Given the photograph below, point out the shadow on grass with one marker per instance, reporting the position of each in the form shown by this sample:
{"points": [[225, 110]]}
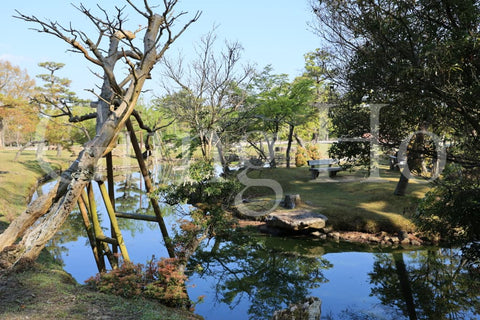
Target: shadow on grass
{"points": [[3, 224], [40, 167], [350, 201]]}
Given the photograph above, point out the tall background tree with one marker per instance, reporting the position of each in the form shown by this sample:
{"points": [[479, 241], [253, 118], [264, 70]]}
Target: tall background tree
{"points": [[207, 94], [64, 112], [17, 120], [422, 59]]}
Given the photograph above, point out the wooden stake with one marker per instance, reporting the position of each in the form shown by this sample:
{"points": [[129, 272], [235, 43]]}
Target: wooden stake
{"points": [[111, 191], [91, 236], [98, 229], [149, 187], [113, 221]]}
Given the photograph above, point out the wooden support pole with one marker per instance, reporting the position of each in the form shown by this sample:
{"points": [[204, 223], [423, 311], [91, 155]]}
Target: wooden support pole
{"points": [[93, 210], [149, 187], [108, 240], [133, 216], [113, 221], [91, 236], [98, 229], [111, 191]]}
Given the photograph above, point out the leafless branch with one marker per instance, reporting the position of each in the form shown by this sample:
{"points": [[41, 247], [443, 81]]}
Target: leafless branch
{"points": [[55, 29], [143, 126]]}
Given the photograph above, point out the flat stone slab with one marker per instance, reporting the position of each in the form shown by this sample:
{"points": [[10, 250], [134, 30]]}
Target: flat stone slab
{"points": [[296, 220]]}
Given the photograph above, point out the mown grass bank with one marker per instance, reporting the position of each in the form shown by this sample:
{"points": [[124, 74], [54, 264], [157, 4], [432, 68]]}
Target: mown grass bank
{"points": [[350, 201], [48, 292], [18, 179]]}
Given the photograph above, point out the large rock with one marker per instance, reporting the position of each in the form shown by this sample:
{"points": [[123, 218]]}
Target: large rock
{"points": [[296, 220], [309, 309]]}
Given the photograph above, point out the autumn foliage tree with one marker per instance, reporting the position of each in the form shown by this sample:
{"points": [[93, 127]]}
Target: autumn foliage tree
{"points": [[126, 63], [17, 120]]}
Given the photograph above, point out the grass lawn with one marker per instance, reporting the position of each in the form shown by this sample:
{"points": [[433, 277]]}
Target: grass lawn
{"points": [[19, 178], [48, 292], [350, 201]]}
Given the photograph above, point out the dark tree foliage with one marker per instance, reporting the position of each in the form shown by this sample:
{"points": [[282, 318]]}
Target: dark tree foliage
{"points": [[422, 59], [452, 208]]}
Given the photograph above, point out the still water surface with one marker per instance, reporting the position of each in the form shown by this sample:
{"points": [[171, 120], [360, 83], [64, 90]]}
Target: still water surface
{"points": [[249, 276]]}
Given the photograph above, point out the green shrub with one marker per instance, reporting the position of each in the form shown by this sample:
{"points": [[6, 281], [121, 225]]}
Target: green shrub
{"points": [[452, 208]]}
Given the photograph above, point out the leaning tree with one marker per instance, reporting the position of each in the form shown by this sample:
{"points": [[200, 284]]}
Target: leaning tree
{"points": [[114, 48]]}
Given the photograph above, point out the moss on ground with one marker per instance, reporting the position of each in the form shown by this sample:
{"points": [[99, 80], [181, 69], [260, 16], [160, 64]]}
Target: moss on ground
{"points": [[45, 291]]}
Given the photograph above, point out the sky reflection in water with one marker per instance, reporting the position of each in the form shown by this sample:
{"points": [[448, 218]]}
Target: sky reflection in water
{"points": [[249, 276]]}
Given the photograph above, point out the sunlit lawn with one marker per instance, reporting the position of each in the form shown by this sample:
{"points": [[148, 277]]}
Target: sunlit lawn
{"points": [[17, 178], [350, 201]]}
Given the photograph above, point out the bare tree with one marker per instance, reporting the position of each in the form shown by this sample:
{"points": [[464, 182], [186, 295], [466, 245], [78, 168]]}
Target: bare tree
{"points": [[115, 104], [209, 91]]}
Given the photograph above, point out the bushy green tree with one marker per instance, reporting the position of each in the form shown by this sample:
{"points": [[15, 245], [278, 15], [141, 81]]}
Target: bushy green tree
{"points": [[279, 104], [452, 208], [64, 110], [212, 200], [421, 58]]}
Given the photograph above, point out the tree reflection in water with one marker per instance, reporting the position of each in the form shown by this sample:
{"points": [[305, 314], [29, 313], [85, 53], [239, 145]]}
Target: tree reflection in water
{"points": [[270, 272], [433, 284]]}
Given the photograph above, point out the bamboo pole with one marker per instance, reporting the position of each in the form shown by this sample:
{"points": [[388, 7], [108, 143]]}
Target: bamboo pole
{"points": [[132, 216], [149, 187], [98, 229], [91, 236], [113, 221], [111, 192]]}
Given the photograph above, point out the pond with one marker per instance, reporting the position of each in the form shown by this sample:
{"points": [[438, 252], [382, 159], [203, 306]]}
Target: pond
{"points": [[250, 275]]}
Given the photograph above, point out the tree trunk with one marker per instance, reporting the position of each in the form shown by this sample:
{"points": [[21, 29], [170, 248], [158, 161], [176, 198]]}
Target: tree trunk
{"points": [[405, 287], [271, 147], [402, 185], [39, 152], [221, 156], [57, 205], [2, 135], [299, 140], [289, 146], [59, 150]]}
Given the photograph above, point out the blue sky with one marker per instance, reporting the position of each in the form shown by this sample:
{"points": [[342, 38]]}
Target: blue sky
{"points": [[271, 32]]}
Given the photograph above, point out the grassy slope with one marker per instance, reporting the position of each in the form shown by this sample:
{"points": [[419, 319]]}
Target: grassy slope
{"points": [[351, 202], [46, 291], [18, 178]]}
